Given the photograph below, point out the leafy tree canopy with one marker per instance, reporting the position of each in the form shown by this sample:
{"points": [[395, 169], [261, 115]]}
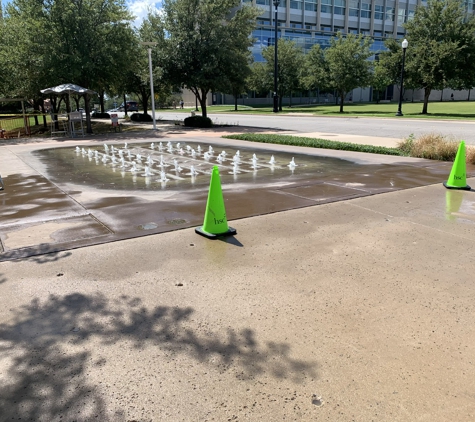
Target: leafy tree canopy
{"points": [[204, 42]]}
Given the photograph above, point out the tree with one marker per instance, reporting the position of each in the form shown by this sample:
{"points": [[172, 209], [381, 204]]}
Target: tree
{"points": [[381, 78], [65, 41], [260, 78], [204, 42], [290, 60], [441, 47], [344, 65]]}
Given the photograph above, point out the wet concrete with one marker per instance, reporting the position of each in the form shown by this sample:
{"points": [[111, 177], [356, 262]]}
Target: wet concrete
{"points": [[74, 200], [356, 310]]}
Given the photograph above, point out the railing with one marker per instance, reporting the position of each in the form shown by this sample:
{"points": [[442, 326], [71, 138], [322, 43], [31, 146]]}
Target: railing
{"points": [[14, 126], [18, 126]]}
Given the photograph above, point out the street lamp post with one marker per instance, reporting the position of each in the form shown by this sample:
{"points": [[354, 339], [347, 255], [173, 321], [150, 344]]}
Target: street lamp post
{"points": [[150, 45], [404, 46], [276, 96]]}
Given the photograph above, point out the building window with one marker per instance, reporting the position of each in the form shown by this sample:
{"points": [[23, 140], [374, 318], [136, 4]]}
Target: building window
{"points": [[378, 12], [339, 8], [366, 10], [390, 13], [354, 8], [265, 2], [401, 17], [296, 4], [326, 6], [326, 28], [295, 25], [311, 5]]}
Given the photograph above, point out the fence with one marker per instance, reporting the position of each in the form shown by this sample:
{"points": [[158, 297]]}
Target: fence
{"points": [[15, 127]]}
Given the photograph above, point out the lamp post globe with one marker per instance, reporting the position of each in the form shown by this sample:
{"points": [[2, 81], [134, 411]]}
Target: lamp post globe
{"points": [[404, 45], [276, 96]]}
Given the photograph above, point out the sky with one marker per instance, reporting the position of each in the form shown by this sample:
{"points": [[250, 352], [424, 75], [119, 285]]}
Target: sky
{"points": [[138, 8]]}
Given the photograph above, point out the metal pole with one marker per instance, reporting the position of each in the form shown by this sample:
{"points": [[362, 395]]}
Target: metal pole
{"points": [[276, 96], [399, 111], [151, 87]]}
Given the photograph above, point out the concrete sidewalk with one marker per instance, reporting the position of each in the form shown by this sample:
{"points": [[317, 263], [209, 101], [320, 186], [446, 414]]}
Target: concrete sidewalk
{"points": [[355, 310]]}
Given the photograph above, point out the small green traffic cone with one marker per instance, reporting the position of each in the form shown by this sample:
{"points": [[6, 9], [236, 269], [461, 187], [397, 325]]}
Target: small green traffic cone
{"points": [[458, 176], [215, 223]]}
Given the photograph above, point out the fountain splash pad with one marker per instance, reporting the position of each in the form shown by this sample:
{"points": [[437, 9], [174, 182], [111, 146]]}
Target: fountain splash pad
{"points": [[100, 193]]}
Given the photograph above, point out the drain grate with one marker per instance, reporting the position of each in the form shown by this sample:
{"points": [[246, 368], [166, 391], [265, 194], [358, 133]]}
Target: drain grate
{"points": [[148, 226], [176, 221]]}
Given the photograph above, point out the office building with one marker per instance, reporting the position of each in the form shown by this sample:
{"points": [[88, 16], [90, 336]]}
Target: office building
{"points": [[307, 22]]}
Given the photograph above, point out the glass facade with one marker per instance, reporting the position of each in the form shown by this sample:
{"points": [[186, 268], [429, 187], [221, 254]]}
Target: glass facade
{"points": [[309, 22]]}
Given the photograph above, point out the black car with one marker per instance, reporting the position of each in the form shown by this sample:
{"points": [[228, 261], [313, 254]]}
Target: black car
{"points": [[131, 106]]}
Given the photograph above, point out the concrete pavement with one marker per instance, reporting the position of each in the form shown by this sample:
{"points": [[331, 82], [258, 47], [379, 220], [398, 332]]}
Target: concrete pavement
{"points": [[356, 310]]}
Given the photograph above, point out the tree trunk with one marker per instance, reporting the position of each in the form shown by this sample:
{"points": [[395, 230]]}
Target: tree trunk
{"points": [[88, 114], [342, 99], [468, 98], [125, 105], [235, 103], [101, 101], [290, 99], [144, 100], [426, 100], [202, 100]]}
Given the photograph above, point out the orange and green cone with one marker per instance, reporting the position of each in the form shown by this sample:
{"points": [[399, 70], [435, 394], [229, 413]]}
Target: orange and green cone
{"points": [[215, 223], [458, 175]]}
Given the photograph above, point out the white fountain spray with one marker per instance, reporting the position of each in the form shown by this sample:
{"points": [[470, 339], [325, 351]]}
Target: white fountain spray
{"points": [[292, 164], [177, 167]]}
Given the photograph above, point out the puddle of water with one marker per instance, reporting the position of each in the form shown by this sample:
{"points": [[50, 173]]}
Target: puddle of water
{"points": [[87, 166]]}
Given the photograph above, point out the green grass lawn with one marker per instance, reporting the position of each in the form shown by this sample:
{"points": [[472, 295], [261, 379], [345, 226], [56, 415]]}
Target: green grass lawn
{"points": [[452, 110]]}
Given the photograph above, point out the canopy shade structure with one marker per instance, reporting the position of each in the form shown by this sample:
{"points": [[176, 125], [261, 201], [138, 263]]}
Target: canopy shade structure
{"points": [[67, 89]]}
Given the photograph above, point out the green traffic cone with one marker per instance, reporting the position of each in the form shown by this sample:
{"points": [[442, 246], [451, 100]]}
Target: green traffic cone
{"points": [[215, 223], [458, 175]]}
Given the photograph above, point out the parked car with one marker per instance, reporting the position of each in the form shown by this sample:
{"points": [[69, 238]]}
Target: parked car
{"points": [[131, 106]]}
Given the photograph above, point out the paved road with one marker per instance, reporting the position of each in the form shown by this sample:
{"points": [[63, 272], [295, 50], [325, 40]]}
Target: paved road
{"points": [[390, 128]]}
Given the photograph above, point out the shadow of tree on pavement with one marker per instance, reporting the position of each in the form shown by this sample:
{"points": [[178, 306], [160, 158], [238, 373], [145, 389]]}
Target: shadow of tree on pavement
{"points": [[47, 347]]}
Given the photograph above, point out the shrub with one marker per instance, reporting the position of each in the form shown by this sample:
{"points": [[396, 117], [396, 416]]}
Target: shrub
{"points": [[435, 147], [140, 117], [101, 116], [198, 121], [313, 142]]}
